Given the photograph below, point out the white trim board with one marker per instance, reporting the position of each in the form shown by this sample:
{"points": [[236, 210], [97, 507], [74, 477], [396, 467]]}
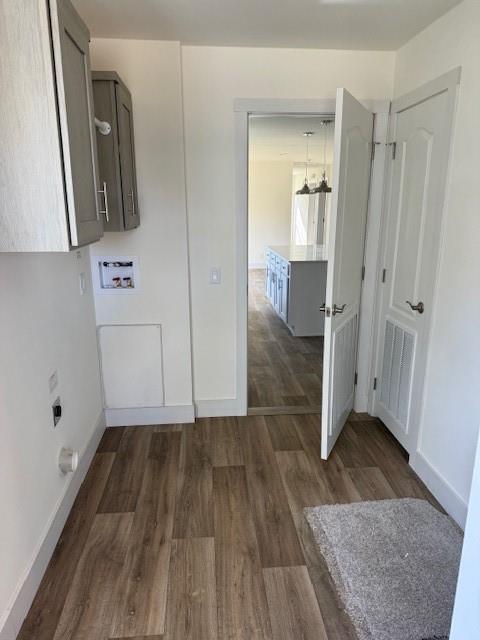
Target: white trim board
{"points": [[12, 619], [135, 416], [445, 82], [7, 632], [300, 106], [218, 408], [450, 500], [369, 299]]}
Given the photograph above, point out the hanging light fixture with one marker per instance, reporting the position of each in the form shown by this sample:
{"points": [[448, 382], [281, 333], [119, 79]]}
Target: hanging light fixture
{"points": [[305, 190], [323, 186]]}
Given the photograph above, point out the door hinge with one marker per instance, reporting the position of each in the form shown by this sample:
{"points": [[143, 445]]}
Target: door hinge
{"points": [[384, 275], [356, 378], [394, 149], [363, 272], [374, 384]]}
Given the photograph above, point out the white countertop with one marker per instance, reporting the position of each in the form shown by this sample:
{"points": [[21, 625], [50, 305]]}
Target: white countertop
{"points": [[301, 253]]}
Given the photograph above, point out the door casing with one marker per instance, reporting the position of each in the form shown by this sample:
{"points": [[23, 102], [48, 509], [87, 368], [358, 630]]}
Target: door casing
{"points": [[243, 108]]}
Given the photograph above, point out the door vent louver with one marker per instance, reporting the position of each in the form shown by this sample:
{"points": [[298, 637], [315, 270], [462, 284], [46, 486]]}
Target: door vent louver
{"points": [[397, 372]]}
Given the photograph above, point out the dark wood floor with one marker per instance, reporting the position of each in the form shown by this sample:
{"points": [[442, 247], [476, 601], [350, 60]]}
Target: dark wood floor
{"points": [[196, 532], [284, 373]]}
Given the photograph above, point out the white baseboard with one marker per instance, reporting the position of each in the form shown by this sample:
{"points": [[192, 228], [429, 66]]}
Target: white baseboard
{"points": [[12, 619], [149, 415], [218, 408], [450, 500], [7, 632]]}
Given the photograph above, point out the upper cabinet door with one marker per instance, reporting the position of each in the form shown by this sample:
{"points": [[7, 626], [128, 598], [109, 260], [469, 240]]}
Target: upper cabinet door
{"points": [[127, 157], [77, 123], [104, 96]]}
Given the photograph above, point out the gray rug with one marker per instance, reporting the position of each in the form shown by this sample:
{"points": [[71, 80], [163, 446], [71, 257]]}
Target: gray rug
{"points": [[394, 563]]}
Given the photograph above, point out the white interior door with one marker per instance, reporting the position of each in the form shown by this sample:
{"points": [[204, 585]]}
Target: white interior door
{"points": [[346, 234], [421, 126]]}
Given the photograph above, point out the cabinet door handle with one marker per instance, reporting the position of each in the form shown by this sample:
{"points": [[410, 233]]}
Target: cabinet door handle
{"points": [[132, 196], [105, 200]]}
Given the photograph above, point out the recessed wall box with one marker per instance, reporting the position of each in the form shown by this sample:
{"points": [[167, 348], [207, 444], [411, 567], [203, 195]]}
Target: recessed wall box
{"points": [[115, 274]]}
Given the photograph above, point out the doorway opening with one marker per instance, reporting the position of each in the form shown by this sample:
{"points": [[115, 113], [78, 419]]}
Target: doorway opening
{"points": [[290, 160]]}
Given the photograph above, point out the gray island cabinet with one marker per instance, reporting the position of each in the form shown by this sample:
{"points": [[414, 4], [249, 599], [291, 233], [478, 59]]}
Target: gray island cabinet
{"points": [[295, 284]]}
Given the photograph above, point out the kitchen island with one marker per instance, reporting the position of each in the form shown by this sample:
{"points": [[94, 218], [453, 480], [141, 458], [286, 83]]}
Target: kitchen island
{"points": [[295, 284]]}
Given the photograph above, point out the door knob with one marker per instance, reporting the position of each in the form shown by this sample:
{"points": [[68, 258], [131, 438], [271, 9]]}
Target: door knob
{"points": [[416, 307], [325, 309], [336, 309]]}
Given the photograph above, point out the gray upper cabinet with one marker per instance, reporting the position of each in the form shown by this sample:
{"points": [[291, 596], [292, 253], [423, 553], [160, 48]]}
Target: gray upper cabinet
{"points": [[116, 151], [49, 188]]}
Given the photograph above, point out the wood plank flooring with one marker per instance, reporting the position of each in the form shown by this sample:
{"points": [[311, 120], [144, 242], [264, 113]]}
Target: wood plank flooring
{"points": [[196, 532], [284, 373]]}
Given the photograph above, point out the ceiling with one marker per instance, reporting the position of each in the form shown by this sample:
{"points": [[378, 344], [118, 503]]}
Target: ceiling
{"points": [[280, 138], [321, 24]]}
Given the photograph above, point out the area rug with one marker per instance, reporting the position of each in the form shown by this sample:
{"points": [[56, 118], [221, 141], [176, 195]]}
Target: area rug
{"points": [[394, 563]]}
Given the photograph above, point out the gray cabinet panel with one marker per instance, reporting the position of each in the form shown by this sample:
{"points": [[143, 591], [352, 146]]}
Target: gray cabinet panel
{"points": [[48, 179], [32, 197], [72, 63], [283, 296], [127, 157], [108, 156], [113, 104]]}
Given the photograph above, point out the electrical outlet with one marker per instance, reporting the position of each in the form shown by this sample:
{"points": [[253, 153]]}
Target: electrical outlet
{"points": [[57, 411], [53, 382]]}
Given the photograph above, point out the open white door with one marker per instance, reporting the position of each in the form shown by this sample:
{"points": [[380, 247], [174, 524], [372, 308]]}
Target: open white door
{"points": [[351, 178]]}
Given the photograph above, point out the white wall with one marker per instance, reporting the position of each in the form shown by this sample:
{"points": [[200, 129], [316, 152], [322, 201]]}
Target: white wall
{"points": [[152, 72], [212, 78], [45, 325], [466, 612], [269, 207], [452, 400]]}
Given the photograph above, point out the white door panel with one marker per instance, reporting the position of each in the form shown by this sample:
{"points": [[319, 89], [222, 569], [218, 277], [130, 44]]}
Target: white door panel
{"points": [[413, 184], [414, 215], [344, 351], [346, 234]]}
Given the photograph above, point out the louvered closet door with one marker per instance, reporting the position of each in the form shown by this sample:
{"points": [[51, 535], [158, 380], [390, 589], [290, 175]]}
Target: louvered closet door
{"points": [[418, 175]]}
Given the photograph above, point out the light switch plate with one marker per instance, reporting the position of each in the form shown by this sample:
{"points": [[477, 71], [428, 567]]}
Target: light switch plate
{"points": [[215, 275], [82, 282]]}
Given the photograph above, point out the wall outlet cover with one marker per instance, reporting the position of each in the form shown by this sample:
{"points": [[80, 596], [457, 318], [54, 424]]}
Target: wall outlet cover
{"points": [[56, 411]]}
